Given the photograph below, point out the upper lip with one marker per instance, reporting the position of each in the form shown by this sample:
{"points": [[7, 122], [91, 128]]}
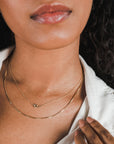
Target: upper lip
{"points": [[50, 8]]}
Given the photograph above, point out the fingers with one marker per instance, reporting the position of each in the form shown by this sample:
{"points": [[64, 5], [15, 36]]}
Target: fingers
{"points": [[90, 134], [104, 135], [79, 137], [94, 132]]}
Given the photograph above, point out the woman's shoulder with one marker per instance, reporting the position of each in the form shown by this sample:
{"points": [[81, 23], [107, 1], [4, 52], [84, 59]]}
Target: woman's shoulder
{"points": [[4, 54], [92, 80], [95, 87], [100, 97]]}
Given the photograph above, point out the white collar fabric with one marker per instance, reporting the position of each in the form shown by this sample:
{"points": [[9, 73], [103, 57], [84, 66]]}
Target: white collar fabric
{"points": [[99, 101]]}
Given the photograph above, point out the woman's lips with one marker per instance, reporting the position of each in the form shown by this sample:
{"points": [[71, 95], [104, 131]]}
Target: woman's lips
{"points": [[50, 14]]}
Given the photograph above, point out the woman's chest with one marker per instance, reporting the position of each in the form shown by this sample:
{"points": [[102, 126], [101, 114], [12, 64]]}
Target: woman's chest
{"points": [[17, 129], [29, 134], [14, 129]]}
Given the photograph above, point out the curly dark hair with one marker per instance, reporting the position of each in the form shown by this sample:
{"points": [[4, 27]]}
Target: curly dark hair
{"points": [[96, 42]]}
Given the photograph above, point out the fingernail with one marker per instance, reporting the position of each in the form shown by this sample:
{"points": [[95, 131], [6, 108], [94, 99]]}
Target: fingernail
{"points": [[89, 119], [81, 123], [77, 132]]}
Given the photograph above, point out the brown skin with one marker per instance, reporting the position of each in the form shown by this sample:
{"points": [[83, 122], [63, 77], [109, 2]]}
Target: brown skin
{"points": [[46, 65], [54, 49], [94, 132]]}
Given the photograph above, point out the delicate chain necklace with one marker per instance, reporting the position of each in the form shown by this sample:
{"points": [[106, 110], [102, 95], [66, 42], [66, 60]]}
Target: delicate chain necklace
{"points": [[33, 117], [35, 105]]}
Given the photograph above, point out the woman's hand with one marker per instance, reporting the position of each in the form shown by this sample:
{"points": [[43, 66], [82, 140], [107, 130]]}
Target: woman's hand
{"points": [[94, 133]]}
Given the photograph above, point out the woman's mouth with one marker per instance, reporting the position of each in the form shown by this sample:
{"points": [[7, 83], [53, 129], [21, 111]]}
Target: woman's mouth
{"points": [[50, 14]]}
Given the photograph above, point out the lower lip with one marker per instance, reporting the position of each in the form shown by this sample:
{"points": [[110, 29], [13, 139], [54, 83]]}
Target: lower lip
{"points": [[51, 18]]}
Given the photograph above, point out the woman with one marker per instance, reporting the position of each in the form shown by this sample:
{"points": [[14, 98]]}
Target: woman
{"points": [[46, 87]]}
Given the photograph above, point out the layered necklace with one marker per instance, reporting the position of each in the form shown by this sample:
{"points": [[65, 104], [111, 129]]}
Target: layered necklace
{"points": [[77, 88]]}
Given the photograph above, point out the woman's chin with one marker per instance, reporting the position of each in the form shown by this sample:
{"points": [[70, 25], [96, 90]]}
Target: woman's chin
{"points": [[51, 44]]}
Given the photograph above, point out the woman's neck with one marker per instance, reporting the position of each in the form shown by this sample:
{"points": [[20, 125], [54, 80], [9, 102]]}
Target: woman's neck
{"points": [[49, 69]]}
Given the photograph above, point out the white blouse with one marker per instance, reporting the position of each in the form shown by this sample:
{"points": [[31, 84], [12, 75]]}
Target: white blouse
{"points": [[98, 104]]}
